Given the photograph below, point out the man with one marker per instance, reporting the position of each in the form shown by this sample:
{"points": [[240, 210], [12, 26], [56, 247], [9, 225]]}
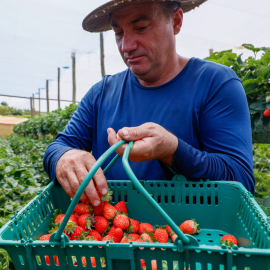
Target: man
{"points": [[187, 113]]}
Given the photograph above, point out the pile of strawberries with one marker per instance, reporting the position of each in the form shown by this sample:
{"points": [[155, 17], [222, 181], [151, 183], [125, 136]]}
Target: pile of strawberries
{"points": [[112, 223]]}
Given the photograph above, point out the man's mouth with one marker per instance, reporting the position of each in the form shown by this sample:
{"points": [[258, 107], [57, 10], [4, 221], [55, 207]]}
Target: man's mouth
{"points": [[134, 59]]}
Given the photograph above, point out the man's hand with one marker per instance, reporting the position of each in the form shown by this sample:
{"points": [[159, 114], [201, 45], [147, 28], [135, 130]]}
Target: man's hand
{"points": [[151, 141], [72, 168]]}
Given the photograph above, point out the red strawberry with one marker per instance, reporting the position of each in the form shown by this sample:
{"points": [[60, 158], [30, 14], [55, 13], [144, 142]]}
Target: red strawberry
{"points": [[229, 240], [173, 237], [95, 234], [161, 235], [116, 233], [86, 221], [79, 234], [76, 215], [45, 237], [109, 211], [190, 227], [134, 237], [140, 240], [93, 262], [101, 224], [59, 218], [108, 238], [143, 264], [146, 227], [105, 198], [73, 218], [93, 238], [121, 221], [169, 229], [83, 208], [72, 222], [133, 226], [266, 113], [154, 264], [121, 206], [84, 261], [146, 237], [98, 210], [124, 240]]}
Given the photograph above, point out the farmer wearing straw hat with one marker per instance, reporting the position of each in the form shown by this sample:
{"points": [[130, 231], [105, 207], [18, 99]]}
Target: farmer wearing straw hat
{"points": [[189, 114]]}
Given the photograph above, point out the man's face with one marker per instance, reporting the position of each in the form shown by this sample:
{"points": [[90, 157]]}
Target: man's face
{"points": [[145, 39]]}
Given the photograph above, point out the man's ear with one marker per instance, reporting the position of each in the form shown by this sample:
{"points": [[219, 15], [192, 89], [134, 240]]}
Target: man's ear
{"points": [[177, 18]]}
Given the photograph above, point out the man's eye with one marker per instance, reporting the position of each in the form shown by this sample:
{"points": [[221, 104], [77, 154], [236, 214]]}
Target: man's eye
{"points": [[142, 28]]}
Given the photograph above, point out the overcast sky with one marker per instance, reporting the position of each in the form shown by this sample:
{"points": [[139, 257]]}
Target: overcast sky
{"points": [[38, 36]]}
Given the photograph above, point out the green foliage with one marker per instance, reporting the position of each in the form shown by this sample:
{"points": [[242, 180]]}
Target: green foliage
{"points": [[255, 76], [18, 184], [261, 163], [22, 176], [3, 103], [53, 123], [31, 154], [3, 110]]}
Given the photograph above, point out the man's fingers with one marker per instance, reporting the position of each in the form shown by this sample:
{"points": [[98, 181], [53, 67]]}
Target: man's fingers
{"points": [[114, 138], [74, 183], [66, 186], [81, 173], [99, 181], [134, 133], [92, 194]]}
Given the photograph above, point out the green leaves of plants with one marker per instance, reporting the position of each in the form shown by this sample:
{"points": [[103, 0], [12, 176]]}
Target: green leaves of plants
{"points": [[257, 106], [255, 77], [52, 123]]}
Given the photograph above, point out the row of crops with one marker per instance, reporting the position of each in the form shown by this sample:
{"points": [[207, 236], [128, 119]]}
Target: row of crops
{"points": [[21, 178], [53, 123]]}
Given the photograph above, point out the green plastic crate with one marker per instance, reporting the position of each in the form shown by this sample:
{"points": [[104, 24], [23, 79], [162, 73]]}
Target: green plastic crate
{"points": [[219, 207]]}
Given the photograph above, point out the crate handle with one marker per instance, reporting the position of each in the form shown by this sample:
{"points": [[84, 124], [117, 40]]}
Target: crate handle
{"points": [[149, 199], [82, 187]]}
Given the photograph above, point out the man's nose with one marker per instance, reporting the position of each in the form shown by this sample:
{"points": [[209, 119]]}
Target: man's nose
{"points": [[129, 42]]}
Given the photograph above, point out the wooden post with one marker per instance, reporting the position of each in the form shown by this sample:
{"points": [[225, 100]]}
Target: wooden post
{"points": [[31, 109], [58, 88], [33, 105], [73, 78], [47, 96], [39, 101], [211, 51], [102, 54]]}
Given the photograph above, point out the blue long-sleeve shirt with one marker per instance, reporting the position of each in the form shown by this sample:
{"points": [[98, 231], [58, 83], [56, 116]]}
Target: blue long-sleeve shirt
{"points": [[204, 106]]}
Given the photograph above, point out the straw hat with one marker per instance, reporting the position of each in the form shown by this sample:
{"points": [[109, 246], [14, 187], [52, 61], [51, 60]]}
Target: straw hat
{"points": [[99, 20]]}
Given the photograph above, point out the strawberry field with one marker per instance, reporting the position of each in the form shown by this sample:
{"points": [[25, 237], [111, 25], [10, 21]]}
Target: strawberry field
{"points": [[22, 175]]}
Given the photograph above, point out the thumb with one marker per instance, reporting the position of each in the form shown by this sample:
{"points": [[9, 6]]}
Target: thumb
{"points": [[133, 134]]}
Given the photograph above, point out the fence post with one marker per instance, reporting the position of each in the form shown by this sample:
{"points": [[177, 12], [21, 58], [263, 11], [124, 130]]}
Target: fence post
{"points": [[102, 54], [47, 96], [58, 88], [73, 77]]}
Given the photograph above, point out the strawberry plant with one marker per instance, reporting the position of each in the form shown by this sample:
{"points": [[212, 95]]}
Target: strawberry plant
{"points": [[255, 76], [52, 123]]}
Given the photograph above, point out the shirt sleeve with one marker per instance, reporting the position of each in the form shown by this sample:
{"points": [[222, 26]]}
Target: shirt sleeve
{"points": [[78, 133], [226, 140]]}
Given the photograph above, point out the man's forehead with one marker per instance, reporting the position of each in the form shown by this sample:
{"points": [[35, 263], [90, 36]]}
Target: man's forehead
{"points": [[134, 13]]}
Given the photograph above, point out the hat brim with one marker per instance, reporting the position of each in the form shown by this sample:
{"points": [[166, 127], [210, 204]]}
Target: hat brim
{"points": [[99, 20]]}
